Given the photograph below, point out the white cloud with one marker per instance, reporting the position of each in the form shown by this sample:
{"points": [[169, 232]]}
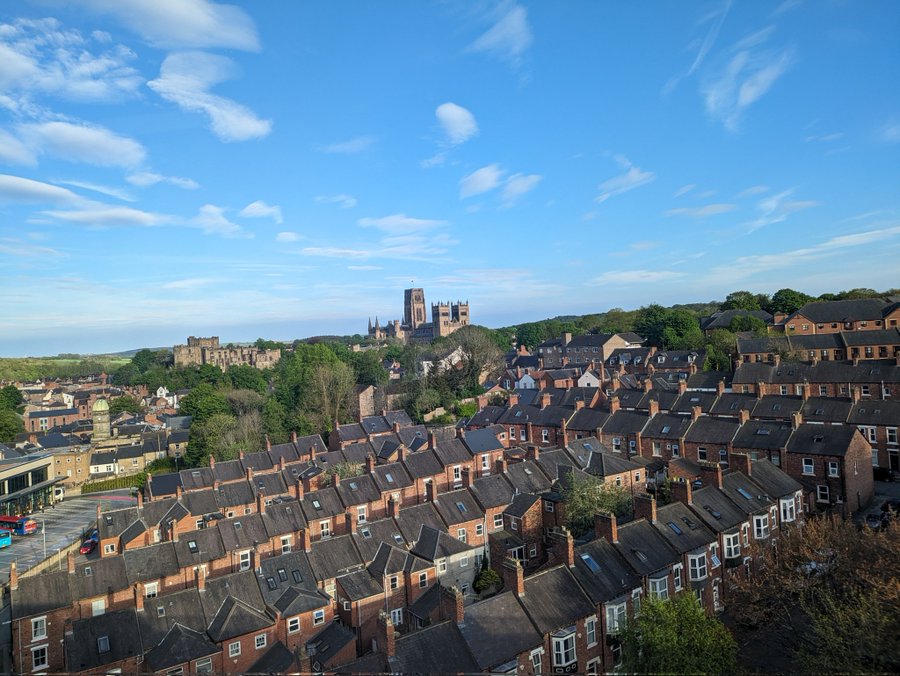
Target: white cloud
{"points": [[147, 178], [702, 212], [480, 181], [777, 208], [703, 49], [349, 147], [458, 123], [211, 220], [634, 177], [183, 24], [101, 215], [189, 283], [186, 78], [509, 37], [364, 267], [82, 143], [518, 185], [890, 132], [685, 189], [25, 190], [288, 237], [260, 209], [111, 191], [753, 190], [400, 224], [16, 247], [13, 151], [343, 201], [746, 77], [39, 56], [622, 277], [825, 138]]}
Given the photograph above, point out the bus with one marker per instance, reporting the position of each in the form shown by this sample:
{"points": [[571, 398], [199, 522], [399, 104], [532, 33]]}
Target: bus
{"points": [[20, 525], [5, 538]]}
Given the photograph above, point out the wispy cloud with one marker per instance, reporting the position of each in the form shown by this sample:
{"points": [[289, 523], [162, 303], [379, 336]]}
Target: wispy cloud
{"points": [[397, 224], [212, 221], [16, 247], [702, 212], [101, 215], [110, 191], [27, 191], [189, 283], [82, 143], [717, 19], [185, 79], [364, 267], [824, 138], [509, 37], [144, 179], [186, 24], [351, 146], [753, 190], [343, 201], [518, 185], [685, 189], [480, 181], [634, 177], [777, 208], [288, 237], [890, 132], [745, 78], [622, 277], [260, 209]]}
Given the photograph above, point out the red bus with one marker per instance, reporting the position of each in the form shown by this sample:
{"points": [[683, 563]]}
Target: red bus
{"points": [[20, 525]]}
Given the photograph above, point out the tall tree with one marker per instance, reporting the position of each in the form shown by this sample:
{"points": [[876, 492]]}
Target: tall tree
{"points": [[585, 496], [203, 402], [743, 300], [676, 636], [10, 398], [788, 301], [10, 425]]}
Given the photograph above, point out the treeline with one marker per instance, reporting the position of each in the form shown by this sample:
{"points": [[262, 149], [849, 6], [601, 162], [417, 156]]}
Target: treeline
{"points": [[30, 369]]}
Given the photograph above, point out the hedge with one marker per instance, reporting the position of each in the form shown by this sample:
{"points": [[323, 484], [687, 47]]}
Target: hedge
{"points": [[118, 482]]}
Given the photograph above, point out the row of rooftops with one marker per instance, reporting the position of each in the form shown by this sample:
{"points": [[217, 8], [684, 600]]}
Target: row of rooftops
{"points": [[842, 340], [871, 371]]}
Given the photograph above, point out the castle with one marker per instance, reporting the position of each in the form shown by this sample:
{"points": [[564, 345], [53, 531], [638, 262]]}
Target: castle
{"points": [[200, 351], [445, 319]]}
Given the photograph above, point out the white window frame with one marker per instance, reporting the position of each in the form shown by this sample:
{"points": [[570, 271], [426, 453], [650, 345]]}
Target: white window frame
{"points": [[423, 580], [616, 617], [397, 616], [325, 528], [590, 630], [442, 566], [461, 534], [293, 625], [659, 588], [151, 590], [286, 544], [498, 520], [318, 617], [834, 468], [732, 545], [234, 649], [536, 657], [361, 514], [479, 530], [823, 493], [39, 628], [98, 607], [698, 569], [809, 467], [761, 526], [260, 641], [46, 660], [203, 665], [788, 509], [564, 649], [678, 575], [464, 561], [244, 560]]}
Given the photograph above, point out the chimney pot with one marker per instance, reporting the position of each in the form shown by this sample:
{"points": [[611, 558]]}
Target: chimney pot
{"points": [[513, 576], [606, 526], [682, 491], [645, 507]]}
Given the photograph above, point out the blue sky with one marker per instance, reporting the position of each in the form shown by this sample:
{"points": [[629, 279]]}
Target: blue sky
{"points": [[284, 169]]}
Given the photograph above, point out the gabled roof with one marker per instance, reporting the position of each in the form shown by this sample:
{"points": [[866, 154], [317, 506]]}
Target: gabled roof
{"points": [[456, 507], [390, 560], [334, 556], [162, 613], [422, 464], [493, 490], [749, 497], [716, 509], [359, 585], [773, 480], [857, 309], [497, 630], [412, 519], [645, 550], [432, 544], [602, 572], [242, 532], [439, 648], [553, 600], [150, 563], [481, 441], [199, 546], [528, 477], [235, 618], [521, 504], [831, 440], [682, 529], [709, 430], [763, 435], [115, 633]]}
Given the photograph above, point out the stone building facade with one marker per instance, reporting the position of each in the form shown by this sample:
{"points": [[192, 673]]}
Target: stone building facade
{"points": [[199, 351], [445, 319]]}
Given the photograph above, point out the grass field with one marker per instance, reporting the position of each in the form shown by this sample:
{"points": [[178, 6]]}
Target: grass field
{"points": [[33, 368]]}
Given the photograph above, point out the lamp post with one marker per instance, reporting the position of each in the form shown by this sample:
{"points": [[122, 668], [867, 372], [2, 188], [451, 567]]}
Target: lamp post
{"points": [[44, 534]]}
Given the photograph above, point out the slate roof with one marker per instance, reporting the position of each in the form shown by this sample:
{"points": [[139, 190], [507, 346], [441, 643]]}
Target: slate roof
{"points": [[812, 439], [748, 496], [645, 550], [602, 572], [527, 477], [200, 503], [875, 412], [521, 504], [390, 560], [122, 640], [667, 426], [391, 477], [554, 600], [422, 464], [732, 403], [328, 643], [234, 606], [229, 470], [763, 435], [433, 544], [773, 480], [686, 402], [826, 409], [162, 613], [276, 660], [334, 556], [40, 593], [283, 516], [371, 534], [207, 546], [481, 441], [717, 510], [439, 648], [625, 422], [151, 563], [875, 337], [321, 504], [358, 490], [242, 532], [841, 310], [723, 318], [682, 529], [360, 585], [448, 505], [412, 519], [497, 630], [492, 491], [708, 430], [234, 494], [487, 416], [777, 406], [587, 420]]}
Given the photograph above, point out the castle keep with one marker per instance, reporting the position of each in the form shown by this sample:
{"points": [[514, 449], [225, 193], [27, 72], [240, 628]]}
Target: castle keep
{"points": [[445, 319], [199, 351]]}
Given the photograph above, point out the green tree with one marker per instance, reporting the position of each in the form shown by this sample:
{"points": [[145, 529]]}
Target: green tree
{"points": [[788, 301], [586, 495], [203, 402], [10, 425], [246, 377], [721, 346], [10, 398], [368, 368], [128, 404], [651, 323], [275, 421], [676, 636], [144, 359], [747, 323], [744, 300]]}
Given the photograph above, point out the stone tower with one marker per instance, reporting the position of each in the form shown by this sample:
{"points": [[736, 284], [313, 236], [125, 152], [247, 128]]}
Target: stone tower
{"points": [[414, 307], [100, 415]]}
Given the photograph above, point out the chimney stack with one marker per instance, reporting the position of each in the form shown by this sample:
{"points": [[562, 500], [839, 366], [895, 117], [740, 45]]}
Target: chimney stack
{"points": [[13, 576], [293, 436], [432, 440], [370, 463], [249, 474], [653, 408], [645, 507], [648, 384], [305, 543], [452, 607], [563, 546], [268, 443], [682, 491], [501, 465], [260, 502], [533, 452], [212, 461], [466, 477], [682, 385], [482, 401], [201, 578], [429, 491], [855, 394], [796, 419], [529, 431], [350, 519], [606, 526], [140, 499], [513, 576], [394, 508], [760, 388], [513, 399], [579, 404], [743, 416], [711, 474], [386, 638], [563, 432], [396, 428], [337, 479], [743, 463], [805, 389], [545, 400], [696, 412], [139, 596], [178, 491], [720, 387], [614, 403]]}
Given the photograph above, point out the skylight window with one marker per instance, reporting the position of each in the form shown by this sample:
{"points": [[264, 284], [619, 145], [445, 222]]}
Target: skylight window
{"points": [[160, 611], [282, 574], [776, 407], [745, 494], [390, 479], [271, 582], [818, 439], [674, 527], [695, 400], [366, 533], [354, 486], [714, 513], [820, 411], [665, 429], [689, 522], [638, 553], [590, 563], [237, 525], [589, 446], [298, 578], [103, 644], [763, 432], [192, 546], [398, 538], [317, 505], [87, 571], [734, 405], [461, 507]]}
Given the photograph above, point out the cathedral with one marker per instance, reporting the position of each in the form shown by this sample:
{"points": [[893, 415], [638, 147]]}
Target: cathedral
{"points": [[445, 319]]}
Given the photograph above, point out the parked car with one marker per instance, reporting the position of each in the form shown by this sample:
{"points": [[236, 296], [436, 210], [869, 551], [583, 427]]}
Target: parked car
{"points": [[87, 546]]}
